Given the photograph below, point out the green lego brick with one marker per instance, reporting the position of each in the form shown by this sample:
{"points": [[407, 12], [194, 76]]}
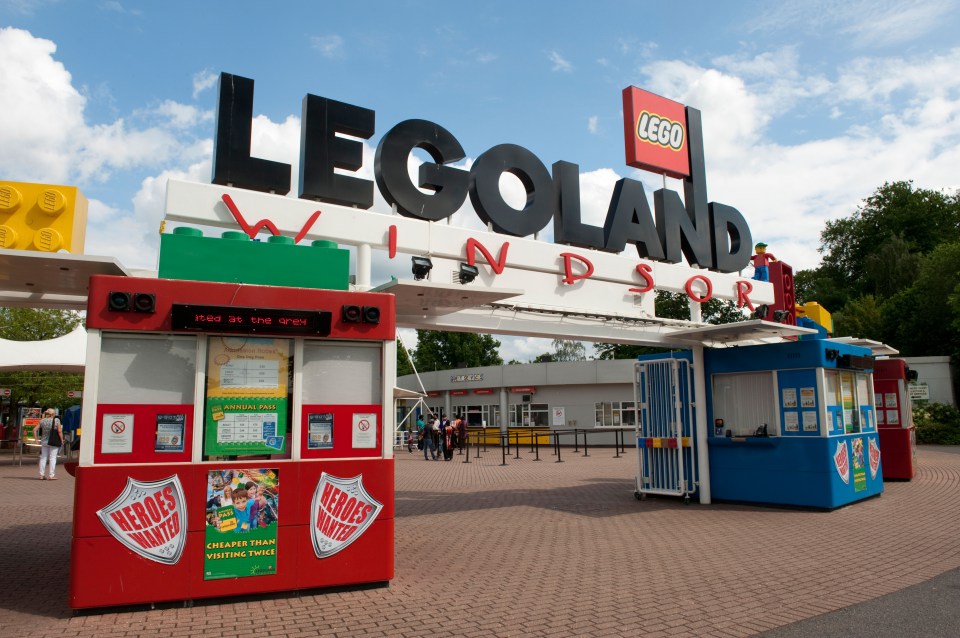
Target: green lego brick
{"points": [[234, 258]]}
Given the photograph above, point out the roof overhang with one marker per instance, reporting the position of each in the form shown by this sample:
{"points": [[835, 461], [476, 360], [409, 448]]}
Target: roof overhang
{"points": [[878, 348], [751, 332], [50, 280], [429, 299]]}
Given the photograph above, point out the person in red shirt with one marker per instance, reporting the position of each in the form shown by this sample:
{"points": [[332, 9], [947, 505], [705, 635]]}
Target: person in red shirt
{"points": [[761, 262]]}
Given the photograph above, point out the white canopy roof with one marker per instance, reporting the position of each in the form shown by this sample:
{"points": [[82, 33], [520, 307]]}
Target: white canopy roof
{"points": [[63, 354]]}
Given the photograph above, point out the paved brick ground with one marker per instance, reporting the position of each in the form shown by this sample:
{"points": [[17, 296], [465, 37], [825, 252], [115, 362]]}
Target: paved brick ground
{"points": [[535, 549]]}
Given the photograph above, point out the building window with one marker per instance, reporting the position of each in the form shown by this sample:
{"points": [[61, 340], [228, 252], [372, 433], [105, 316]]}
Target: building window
{"points": [[536, 415], [613, 414], [745, 402]]}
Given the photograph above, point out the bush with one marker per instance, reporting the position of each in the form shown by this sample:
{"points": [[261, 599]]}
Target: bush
{"points": [[937, 424]]}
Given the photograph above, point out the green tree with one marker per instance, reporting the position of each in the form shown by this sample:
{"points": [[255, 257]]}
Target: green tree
{"points": [[404, 367], [862, 317], [920, 218], [923, 320], [567, 350], [43, 387], [441, 350]]}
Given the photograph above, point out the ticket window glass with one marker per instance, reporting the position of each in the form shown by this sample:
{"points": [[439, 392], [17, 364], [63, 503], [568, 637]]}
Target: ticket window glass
{"points": [[530, 415], [746, 403], [850, 391], [147, 369], [248, 403], [145, 397], [615, 414], [342, 397], [490, 416]]}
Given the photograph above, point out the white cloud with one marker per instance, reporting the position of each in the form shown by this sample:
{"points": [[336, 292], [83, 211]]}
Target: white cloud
{"points": [[559, 63], [863, 22], [329, 46], [593, 124], [907, 126], [203, 80]]}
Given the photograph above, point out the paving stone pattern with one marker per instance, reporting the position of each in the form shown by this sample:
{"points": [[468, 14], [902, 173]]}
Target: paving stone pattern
{"points": [[533, 549]]}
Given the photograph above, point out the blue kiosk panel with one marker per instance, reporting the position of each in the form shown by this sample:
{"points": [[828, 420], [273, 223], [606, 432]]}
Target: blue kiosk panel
{"points": [[799, 426]]}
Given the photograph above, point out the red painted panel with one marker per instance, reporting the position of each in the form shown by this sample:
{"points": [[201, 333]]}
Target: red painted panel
{"points": [[898, 450], [144, 433], [104, 573], [173, 291], [369, 559], [342, 431]]}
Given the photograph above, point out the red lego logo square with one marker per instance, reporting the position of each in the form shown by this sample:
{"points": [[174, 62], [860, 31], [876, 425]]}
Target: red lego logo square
{"points": [[655, 133]]}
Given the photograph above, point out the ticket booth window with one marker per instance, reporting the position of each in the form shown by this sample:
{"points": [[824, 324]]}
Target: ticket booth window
{"points": [[746, 403], [338, 373], [147, 369], [248, 397]]}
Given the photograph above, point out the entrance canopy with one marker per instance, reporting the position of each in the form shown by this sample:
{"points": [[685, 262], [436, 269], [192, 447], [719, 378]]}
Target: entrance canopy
{"points": [[50, 280], [63, 354]]}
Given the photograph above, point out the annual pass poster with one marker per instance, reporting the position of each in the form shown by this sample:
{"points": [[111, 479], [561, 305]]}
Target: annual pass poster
{"points": [[246, 409], [242, 516]]}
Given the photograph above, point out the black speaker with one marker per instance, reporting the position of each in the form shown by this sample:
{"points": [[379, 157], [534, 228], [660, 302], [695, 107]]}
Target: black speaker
{"points": [[119, 301], [371, 314], [144, 302], [351, 314]]}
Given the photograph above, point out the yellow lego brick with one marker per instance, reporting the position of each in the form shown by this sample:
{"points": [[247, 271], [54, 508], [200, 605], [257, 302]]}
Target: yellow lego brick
{"points": [[818, 313], [42, 217]]}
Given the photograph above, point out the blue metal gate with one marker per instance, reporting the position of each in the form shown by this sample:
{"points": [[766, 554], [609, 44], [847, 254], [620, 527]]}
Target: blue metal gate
{"points": [[666, 440]]}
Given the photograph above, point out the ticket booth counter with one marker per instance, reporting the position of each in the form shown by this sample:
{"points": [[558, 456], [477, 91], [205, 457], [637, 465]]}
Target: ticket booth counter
{"points": [[235, 442], [793, 424], [895, 418]]}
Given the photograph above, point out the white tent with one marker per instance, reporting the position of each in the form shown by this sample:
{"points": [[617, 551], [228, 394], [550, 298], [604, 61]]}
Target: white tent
{"points": [[63, 354]]}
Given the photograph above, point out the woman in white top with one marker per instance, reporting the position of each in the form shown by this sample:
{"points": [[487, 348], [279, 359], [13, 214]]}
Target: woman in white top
{"points": [[50, 426]]}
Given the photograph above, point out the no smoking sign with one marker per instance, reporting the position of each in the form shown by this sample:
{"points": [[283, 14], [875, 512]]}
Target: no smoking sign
{"points": [[117, 435]]}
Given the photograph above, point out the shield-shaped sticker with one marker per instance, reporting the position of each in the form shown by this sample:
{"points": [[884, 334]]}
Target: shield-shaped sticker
{"points": [[150, 519], [874, 458], [342, 510], [841, 460]]}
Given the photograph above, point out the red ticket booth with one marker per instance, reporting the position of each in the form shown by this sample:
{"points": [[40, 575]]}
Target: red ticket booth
{"points": [[898, 442], [235, 441]]}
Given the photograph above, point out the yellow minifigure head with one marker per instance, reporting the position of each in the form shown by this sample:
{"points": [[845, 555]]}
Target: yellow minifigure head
{"points": [[761, 248]]}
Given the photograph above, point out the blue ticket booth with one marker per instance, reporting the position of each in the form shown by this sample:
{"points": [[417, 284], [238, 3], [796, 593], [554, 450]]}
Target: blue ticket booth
{"points": [[792, 424]]}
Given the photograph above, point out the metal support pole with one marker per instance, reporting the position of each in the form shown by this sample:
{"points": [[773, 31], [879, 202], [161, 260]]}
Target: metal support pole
{"points": [[586, 452], [467, 443], [516, 443], [503, 447], [556, 446]]}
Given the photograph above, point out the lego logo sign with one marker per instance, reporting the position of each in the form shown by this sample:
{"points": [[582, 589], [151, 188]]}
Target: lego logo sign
{"points": [[655, 131]]}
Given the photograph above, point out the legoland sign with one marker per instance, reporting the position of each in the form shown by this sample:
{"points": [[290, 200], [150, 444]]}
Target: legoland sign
{"points": [[712, 236]]}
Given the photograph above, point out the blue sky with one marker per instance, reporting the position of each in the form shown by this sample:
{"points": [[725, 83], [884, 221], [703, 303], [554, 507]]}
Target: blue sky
{"points": [[807, 106]]}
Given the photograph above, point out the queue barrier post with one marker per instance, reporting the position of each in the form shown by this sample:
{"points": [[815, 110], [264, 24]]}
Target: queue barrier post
{"points": [[504, 444]]}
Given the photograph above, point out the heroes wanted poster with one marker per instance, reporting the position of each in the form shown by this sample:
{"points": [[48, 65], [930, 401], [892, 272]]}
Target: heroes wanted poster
{"points": [[242, 514], [246, 409]]}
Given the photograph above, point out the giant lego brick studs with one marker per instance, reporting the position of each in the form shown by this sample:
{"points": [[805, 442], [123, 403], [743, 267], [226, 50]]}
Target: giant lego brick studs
{"points": [[187, 254], [42, 217]]}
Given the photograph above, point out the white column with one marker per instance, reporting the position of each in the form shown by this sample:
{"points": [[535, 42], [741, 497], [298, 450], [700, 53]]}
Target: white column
{"points": [[364, 267], [700, 410]]}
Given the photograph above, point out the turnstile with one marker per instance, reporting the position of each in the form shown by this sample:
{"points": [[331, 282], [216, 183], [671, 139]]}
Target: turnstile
{"points": [[666, 440]]}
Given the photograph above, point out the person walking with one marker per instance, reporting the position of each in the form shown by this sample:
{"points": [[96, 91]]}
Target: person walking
{"points": [[51, 438], [427, 435]]}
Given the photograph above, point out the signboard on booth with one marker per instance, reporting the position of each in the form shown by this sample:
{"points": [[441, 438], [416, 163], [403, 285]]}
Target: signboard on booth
{"points": [[246, 409], [242, 512], [117, 434]]}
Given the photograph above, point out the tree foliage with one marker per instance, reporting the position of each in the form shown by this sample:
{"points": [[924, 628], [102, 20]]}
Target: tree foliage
{"points": [[440, 350], [890, 270]]}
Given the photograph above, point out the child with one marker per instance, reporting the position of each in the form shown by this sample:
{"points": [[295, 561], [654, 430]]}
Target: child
{"points": [[240, 510]]}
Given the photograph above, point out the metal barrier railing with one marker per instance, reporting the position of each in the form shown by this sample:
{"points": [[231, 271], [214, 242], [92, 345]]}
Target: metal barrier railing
{"points": [[510, 442]]}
